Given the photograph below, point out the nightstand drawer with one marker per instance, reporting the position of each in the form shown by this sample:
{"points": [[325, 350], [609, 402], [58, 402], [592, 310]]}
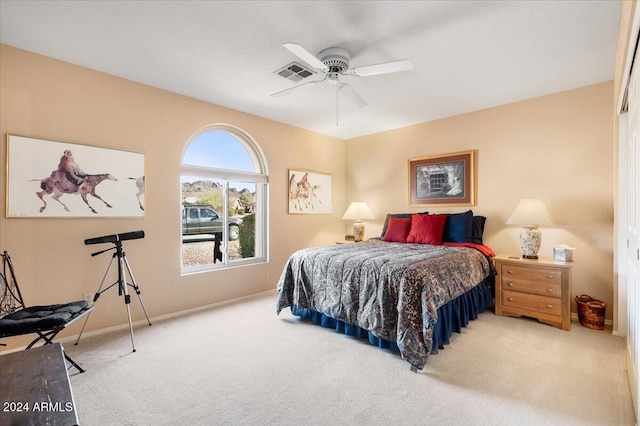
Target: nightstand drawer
{"points": [[532, 302], [544, 289], [542, 275], [539, 288]]}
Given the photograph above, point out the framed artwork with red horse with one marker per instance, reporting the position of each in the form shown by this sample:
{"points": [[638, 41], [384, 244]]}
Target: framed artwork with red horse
{"points": [[47, 178]]}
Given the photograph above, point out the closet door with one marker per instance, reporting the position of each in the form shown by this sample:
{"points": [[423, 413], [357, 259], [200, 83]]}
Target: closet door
{"points": [[631, 254]]}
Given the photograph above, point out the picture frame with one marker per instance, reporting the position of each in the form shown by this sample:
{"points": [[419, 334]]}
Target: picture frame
{"points": [[443, 180], [309, 192], [53, 179]]}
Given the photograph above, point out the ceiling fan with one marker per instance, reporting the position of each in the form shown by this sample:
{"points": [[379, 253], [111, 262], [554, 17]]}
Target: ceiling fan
{"points": [[333, 62]]}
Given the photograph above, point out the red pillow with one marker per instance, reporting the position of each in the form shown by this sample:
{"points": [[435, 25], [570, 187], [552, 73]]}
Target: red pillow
{"points": [[427, 229], [397, 230]]}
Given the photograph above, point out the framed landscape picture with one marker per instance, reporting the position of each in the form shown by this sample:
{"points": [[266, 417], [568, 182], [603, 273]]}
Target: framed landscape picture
{"points": [[47, 178], [309, 192], [444, 180]]}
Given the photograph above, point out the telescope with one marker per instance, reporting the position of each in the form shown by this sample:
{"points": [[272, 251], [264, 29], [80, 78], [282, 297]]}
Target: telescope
{"points": [[123, 270], [134, 235]]}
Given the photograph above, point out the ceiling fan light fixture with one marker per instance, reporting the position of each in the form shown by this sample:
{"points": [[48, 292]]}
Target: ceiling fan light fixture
{"points": [[334, 62], [335, 58]]}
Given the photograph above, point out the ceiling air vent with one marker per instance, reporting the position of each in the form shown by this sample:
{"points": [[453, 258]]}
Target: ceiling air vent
{"points": [[294, 72]]}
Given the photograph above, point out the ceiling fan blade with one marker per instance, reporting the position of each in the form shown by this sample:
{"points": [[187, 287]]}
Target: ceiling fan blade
{"points": [[384, 68], [353, 96], [304, 54], [295, 88]]}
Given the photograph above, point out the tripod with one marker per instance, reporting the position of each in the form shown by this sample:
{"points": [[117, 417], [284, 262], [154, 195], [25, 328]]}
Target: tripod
{"points": [[123, 286]]}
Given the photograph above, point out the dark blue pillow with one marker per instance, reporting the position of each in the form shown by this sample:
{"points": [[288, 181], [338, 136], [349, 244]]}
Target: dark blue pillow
{"points": [[458, 227]]}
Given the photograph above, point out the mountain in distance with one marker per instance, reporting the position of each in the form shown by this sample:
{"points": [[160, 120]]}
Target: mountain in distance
{"points": [[202, 189]]}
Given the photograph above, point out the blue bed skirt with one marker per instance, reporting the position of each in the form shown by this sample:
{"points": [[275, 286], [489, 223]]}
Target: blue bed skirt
{"points": [[451, 317]]}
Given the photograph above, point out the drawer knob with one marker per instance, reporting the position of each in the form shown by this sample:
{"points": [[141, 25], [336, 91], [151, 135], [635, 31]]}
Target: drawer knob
{"points": [[510, 299], [509, 272], [510, 284], [550, 276], [549, 306], [549, 290]]}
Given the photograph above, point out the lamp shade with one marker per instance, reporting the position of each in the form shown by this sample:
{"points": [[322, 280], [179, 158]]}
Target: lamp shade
{"points": [[532, 212], [358, 211]]}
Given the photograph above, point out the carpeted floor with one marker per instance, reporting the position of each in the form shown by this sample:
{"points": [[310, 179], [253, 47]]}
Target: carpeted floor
{"points": [[240, 364]]}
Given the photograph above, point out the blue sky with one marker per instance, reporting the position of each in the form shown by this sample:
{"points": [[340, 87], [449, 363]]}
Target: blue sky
{"points": [[220, 150]]}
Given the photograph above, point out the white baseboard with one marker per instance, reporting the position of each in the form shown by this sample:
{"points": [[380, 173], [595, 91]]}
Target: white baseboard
{"points": [[164, 317]]}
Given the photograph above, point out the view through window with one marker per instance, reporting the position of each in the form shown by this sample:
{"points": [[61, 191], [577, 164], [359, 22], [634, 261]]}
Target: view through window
{"points": [[223, 184]]}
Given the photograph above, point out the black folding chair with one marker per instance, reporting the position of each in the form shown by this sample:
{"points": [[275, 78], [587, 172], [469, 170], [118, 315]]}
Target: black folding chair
{"points": [[46, 321]]}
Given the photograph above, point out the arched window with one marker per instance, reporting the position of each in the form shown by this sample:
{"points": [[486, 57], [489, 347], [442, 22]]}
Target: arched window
{"points": [[224, 200]]}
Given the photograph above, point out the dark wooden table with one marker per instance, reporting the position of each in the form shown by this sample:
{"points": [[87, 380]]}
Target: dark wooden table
{"points": [[35, 388]]}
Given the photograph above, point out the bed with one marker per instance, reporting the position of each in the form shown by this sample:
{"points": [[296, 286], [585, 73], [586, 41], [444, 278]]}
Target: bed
{"points": [[407, 290]]}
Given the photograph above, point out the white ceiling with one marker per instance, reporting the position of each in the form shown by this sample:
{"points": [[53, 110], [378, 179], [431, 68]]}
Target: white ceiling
{"points": [[467, 55]]}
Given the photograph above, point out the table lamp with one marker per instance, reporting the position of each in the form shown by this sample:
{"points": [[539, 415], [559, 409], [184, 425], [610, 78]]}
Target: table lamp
{"points": [[530, 213], [358, 211]]}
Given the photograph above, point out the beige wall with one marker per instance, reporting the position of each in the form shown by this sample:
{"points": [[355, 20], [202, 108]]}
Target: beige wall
{"points": [[558, 148], [46, 98]]}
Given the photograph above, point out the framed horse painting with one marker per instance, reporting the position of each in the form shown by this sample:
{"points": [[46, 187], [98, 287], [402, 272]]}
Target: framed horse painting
{"points": [[47, 178], [309, 192]]}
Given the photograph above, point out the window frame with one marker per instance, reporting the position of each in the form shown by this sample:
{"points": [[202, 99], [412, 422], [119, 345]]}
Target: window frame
{"points": [[260, 178]]}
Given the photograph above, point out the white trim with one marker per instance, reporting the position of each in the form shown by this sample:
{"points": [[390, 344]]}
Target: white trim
{"points": [[261, 206], [628, 288], [253, 149], [232, 175], [635, 31], [153, 320], [620, 293]]}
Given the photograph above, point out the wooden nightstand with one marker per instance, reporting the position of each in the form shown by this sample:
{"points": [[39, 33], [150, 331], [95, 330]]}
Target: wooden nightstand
{"points": [[538, 289]]}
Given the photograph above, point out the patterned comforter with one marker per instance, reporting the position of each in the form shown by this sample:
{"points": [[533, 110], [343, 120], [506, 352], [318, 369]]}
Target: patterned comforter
{"points": [[390, 289]]}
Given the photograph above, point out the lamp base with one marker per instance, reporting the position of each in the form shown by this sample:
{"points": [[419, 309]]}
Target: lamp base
{"points": [[530, 239], [358, 231]]}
